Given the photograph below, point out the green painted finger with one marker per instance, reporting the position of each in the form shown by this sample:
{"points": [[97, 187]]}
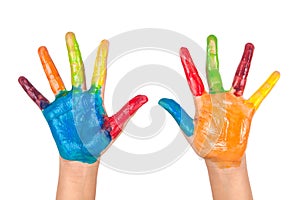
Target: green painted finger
{"points": [[76, 64], [212, 66]]}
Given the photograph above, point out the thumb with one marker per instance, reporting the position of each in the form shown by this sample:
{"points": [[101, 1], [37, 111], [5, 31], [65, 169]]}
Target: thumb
{"points": [[257, 98], [118, 120], [184, 121]]}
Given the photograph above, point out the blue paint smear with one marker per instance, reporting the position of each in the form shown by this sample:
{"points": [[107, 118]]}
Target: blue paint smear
{"points": [[184, 121], [76, 121]]}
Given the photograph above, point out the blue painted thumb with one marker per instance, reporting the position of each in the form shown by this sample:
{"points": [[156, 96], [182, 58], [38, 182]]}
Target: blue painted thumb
{"points": [[184, 121]]}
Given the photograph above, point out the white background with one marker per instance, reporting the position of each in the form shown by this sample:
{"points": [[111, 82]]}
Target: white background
{"points": [[29, 159]]}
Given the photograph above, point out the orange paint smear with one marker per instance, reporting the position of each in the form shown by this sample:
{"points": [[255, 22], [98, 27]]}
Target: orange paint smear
{"points": [[222, 126], [52, 74]]}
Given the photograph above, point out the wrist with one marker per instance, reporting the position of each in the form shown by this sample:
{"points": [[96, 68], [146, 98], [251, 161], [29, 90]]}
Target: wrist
{"points": [[229, 183], [77, 180], [77, 169], [226, 167]]}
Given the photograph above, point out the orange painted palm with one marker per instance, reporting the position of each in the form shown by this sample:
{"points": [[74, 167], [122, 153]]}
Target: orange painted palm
{"points": [[220, 129]]}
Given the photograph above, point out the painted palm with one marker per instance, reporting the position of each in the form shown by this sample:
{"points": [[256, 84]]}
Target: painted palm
{"points": [[77, 118], [220, 128]]}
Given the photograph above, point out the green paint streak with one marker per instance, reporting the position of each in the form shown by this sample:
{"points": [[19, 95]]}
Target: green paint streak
{"points": [[212, 66], [75, 59], [95, 89], [61, 94]]}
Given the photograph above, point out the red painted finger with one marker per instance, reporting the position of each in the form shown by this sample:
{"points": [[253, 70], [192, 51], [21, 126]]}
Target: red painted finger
{"points": [[240, 78], [33, 93], [118, 120], [191, 73]]}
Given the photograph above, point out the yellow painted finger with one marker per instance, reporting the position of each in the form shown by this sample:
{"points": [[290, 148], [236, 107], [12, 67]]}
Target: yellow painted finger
{"points": [[99, 74], [264, 90]]}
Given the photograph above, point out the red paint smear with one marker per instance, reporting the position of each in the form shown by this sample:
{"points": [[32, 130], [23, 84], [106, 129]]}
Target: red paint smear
{"points": [[118, 120], [33, 93], [191, 73], [242, 71]]}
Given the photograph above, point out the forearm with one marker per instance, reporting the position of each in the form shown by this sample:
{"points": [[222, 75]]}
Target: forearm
{"points": [[77, 180], [229, 183]]}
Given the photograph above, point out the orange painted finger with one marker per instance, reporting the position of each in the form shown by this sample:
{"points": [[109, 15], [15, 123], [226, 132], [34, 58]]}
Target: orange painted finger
{"points": [[52, 74], [264, 90]]}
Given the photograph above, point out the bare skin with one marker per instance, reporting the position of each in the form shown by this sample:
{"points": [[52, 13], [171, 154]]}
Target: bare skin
{"points": [[229, 183], [77, 180]]}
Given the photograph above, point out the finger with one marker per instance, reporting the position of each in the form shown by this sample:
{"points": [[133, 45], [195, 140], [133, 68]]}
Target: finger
{"points": [[191, 73], [212, 66], [240, 78], [99, 75], [118, 120], [264, 90], [33, 93], [77, 67], [184, 121], [52, 74]]}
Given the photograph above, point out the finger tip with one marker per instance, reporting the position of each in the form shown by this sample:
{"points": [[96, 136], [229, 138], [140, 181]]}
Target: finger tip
{"points": [[161, 101], [165, 102], [276, 75], [211, 38], [143, 98], [140, 99], [42, 50], [249, 46], [183, 49], [104, 42], [70, 35], [70, 39], [184, 52], [212, 45], [21, 79]]}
